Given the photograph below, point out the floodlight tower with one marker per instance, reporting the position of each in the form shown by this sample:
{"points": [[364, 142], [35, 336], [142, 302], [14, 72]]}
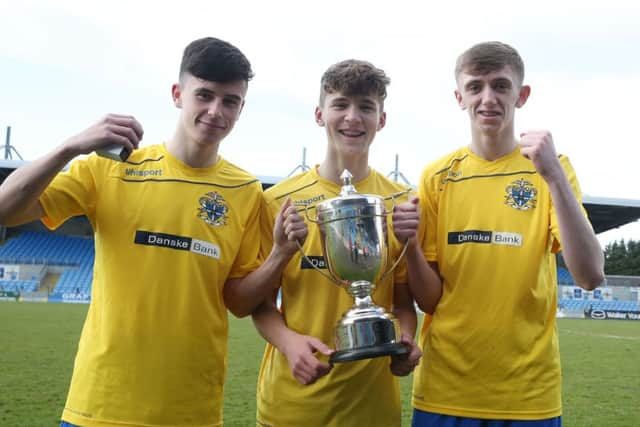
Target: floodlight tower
{"points": [[303, 166], [8, 148], [395, 173]]}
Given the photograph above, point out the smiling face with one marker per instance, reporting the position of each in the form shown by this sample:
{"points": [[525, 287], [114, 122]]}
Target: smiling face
{"points": [[351, 122], [491, 99], [209, 109]]}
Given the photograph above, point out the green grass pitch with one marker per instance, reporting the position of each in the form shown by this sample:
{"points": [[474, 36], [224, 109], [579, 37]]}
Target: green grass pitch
{"points": [[600, 359]]}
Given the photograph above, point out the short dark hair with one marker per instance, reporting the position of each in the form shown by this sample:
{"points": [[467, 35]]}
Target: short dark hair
{"points": [[215, 60], [354, 77], [484, 58]]}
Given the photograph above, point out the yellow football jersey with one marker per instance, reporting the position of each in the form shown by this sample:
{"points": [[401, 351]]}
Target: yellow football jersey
{"points": [[167, 236], [361, 393], [491, 349]]}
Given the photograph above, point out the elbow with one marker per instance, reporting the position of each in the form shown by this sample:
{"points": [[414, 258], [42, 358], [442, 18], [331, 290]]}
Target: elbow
{"points": [[237, 309], [4, 217], [427, 309], [597, 278], [238, 312]]}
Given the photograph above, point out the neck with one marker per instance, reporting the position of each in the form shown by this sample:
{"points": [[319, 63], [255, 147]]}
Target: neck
{"points": [[192, 153], [331, 168], [492, 146]]}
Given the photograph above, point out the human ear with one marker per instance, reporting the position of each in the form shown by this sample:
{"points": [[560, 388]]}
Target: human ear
{"points": [[318, 115], [382, 121], [176, 95], [458, 96], [525, 91]]}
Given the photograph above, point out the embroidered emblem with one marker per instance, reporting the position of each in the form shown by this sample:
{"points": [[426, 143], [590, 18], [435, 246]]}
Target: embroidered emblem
{"points": [[213, 209], [521, 195]]}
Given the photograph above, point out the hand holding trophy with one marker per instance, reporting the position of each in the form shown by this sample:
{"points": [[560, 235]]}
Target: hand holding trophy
{"points": [[353, 229]]}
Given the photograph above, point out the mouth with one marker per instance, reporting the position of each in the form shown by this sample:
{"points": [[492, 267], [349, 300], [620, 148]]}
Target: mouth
{"points": [[488, 114], [349, 133], [211, 125]]}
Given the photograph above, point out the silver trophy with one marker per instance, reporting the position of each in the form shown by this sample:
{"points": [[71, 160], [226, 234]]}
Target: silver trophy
{"points": [[353, 228]]}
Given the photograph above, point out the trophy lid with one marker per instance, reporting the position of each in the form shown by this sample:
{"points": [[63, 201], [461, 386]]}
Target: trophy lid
{"points": [[347, 188], [349, 197]]}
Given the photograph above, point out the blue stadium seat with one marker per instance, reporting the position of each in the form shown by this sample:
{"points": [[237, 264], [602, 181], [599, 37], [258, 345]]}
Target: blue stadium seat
{"points": [[57, 250]]}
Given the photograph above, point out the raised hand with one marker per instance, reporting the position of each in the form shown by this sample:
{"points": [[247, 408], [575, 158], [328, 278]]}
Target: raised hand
{"points": [[403, 364], [538, 147], [289, 227], [300, 352], [112, 129], [406, 219]]}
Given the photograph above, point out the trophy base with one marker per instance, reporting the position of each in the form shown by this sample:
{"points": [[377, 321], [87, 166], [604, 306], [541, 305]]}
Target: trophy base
{"points": [[366, 333], [354, 354]]}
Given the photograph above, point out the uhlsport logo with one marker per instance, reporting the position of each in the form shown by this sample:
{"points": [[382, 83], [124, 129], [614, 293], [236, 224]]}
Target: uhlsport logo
{"points": [[142, 173], [213, 209], [310, 201], [521, 195]]}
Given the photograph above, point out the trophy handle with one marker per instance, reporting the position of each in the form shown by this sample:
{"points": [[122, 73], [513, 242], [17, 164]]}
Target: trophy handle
{"points": [[306, 214], [393, 198], [395, 264], [328, 276]]}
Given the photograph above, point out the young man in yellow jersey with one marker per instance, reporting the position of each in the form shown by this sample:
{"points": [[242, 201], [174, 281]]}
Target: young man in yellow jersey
{"points": [[174, 233], [493, 215], [297, 385]]}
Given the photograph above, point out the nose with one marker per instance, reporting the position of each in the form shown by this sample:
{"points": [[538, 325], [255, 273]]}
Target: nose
{"points": [[215, 108], [488, 95], [351, 114]]}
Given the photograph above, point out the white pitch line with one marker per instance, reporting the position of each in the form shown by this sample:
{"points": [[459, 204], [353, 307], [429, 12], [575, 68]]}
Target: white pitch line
{"points": [[617, 337]]}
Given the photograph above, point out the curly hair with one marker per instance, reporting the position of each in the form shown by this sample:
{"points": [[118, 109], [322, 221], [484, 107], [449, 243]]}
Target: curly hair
{"points": [[354, 77]]}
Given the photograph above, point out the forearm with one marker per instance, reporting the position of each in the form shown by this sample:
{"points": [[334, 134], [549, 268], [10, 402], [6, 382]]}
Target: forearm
{"points": [[424, 282], [242, 296], [21, 190], [580, 247], [407, 319], [270, 324]]}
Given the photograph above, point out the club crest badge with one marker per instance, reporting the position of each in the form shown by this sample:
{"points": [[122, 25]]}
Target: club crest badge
{"points": [[521, 195], [213, 209]]}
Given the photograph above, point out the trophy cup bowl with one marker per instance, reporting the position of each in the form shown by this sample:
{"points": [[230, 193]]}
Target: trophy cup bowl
{"points": [[353, 229]]}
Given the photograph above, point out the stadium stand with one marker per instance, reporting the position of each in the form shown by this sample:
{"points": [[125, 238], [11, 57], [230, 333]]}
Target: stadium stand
{"points": [[564, 277], [70, 254], [69, 251], [18, 285], [583, 304]]}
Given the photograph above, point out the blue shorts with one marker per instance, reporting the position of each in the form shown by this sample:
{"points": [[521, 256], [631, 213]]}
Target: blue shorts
{"points": [[429, 419], [66, 424]]}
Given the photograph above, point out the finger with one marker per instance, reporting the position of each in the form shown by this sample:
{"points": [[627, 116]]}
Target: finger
{"points": [[319, 346], [406, 339], [129, 135], [303, 378], [415, 355], [126, 122], [284, 207]]}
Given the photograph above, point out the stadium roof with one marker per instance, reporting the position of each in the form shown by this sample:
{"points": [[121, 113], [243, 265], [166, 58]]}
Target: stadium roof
{"points": [[605, 213]]}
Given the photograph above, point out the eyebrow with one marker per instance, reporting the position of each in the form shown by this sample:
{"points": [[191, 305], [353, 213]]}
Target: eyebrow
{"points": [[225, 95], [471, 82]]}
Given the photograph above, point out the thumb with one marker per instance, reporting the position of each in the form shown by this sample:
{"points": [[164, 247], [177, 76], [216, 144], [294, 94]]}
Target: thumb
{"points": [[413, 199], [321, 347]]}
